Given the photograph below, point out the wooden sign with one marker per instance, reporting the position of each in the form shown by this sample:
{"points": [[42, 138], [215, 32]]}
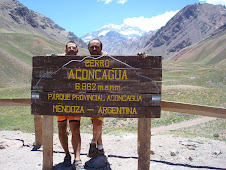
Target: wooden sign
{"points": [[97, 86]]}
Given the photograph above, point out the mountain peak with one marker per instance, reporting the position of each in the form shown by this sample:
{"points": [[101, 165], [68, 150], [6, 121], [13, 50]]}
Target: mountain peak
{"points": [[125, 31]]}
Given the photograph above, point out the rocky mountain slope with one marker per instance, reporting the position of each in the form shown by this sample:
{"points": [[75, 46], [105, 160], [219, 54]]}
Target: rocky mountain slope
{"points": [[210, 51], [190, 25], [16, 18], [24, 34], [16, 52]]}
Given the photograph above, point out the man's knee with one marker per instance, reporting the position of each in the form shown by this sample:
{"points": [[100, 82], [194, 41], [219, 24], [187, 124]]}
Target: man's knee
{"points": [[75, 127], [62, 127], [97, 122]]}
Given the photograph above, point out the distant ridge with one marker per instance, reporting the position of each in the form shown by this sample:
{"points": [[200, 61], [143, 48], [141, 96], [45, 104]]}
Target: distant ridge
{"points": [[16, 18]]}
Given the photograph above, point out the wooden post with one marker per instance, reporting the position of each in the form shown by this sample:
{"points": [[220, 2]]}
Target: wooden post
{"points": [[38, 129], [47, 136], [144, 139]]}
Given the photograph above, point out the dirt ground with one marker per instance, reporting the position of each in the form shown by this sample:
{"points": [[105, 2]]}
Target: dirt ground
{"points": [[167, 152]]}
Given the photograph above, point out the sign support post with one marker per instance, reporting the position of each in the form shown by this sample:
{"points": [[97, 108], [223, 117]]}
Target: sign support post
{"points": [[38, 129], [144, 143], [47, 142]]}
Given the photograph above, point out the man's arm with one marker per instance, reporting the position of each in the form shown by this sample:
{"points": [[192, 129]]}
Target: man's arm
{"points": [[52, 54], [104, 53]]}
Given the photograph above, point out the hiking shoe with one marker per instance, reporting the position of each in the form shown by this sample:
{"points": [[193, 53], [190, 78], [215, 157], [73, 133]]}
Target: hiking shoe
{"points": [[77, 164], [92, 151], [100, 152], [67, 160]]}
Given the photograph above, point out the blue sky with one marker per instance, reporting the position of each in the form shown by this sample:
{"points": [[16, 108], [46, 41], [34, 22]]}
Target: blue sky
{"points": [[85, 16]]}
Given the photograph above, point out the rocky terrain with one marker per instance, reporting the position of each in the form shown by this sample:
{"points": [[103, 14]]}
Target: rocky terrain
{"points": [[167, 151]]}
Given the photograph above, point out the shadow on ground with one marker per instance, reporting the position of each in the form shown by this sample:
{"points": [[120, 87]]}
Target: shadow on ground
{"points": [[169, 163], [89, 164]]}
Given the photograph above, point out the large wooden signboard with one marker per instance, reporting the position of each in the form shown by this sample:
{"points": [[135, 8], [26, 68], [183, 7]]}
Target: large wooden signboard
{"points": [[97, 86]]}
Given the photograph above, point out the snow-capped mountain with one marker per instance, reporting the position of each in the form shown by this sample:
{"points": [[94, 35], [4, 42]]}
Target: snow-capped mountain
{"points": [[122, 32]]}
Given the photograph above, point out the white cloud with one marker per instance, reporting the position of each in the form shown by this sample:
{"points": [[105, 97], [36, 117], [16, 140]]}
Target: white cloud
{"points": [[214, 2], [108, 1], [148, 24], [105, 1], [122, 1]]}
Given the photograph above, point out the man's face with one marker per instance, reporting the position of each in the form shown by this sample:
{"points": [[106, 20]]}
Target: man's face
{"points": [[71, 49], [95, 47]]}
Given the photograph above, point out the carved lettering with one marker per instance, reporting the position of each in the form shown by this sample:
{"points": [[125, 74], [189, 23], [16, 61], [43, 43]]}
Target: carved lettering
{"points": [[117, 110], [68, 109], [98, 74]]}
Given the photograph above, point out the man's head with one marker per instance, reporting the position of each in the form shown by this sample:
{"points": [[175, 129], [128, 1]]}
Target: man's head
{"points": [[95, 47], [71, 48]]}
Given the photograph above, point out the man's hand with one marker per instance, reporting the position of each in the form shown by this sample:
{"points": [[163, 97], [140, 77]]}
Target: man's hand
{"points": [[104, 53], [51, 54], [142, 54]]}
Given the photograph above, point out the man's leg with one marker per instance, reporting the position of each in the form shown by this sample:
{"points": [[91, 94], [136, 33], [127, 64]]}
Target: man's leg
{"points": [[99, 141], [63, 136], [76, 138], [74, 123], [96, 146], [97, 131]]}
